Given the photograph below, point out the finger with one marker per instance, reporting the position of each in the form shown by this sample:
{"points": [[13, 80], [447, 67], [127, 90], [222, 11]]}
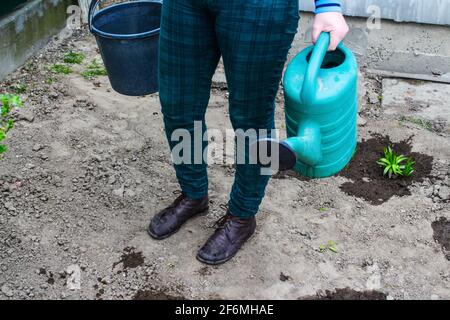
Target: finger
{"points": [[315, 34], [334, 41]]}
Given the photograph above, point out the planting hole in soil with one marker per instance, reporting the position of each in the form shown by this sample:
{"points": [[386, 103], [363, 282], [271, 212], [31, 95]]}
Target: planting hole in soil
{"points": [[441, 234], [347, 294], [367, 177]]}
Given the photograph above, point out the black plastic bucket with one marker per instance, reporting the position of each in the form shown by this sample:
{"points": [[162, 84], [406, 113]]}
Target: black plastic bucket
{"points": [[127, 35]]}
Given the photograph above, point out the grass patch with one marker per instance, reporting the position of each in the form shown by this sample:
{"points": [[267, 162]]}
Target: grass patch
{"points": [[74, 58], [95, 69], [417, 121], [60, 69]]}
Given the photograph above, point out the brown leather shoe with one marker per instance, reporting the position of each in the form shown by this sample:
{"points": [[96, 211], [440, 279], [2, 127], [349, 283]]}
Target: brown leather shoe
{"points": [[168, 221], [231, 234]]}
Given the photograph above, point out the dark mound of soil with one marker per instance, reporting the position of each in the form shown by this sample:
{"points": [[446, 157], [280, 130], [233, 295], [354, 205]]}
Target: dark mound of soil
{"points": [[367, 177], [155, 295], [347, 294], [441, 234], [130, 259]]}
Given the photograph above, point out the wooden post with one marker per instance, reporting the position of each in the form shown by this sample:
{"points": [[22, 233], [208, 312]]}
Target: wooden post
{"points": [[84, 6]]}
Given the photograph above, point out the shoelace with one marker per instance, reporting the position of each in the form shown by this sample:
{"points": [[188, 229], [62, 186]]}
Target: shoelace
{"points": [[220, 223], [175, 192]]}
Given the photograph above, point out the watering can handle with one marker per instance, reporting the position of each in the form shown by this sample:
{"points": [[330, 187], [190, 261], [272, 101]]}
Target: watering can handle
{"points": [[92, 7], [309, 90]]}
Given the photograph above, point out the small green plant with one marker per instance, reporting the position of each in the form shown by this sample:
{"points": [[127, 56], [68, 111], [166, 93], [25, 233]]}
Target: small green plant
{"points": [[94, 70], [394, 165], [8, 102], [60, 69], [409, 167], [331, 245], [19, 88], [74, 58]]}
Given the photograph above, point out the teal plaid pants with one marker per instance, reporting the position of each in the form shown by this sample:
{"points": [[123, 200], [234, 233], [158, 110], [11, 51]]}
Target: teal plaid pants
{"points": [[253, 37]]}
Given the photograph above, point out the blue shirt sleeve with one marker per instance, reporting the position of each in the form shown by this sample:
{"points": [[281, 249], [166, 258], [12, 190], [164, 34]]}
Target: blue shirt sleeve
{"points": [[328, 6]]}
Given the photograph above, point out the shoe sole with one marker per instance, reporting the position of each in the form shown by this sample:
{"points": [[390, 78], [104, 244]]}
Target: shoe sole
{"points": [[156, 237], [215, 263]]}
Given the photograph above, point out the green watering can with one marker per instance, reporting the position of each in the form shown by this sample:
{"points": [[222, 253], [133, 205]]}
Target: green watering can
{"points": [[320, 90]]}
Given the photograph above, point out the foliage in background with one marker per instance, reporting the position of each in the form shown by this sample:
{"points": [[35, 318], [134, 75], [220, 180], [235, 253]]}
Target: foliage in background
{"points": [[394, 165], [8, 102]]}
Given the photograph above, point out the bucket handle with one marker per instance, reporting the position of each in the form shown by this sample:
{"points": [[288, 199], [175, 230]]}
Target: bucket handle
{"points": [[309, 90], [92, 6]]}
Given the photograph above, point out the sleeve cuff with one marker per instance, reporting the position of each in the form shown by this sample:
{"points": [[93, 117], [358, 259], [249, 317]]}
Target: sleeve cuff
{"points": [[328, 6]]}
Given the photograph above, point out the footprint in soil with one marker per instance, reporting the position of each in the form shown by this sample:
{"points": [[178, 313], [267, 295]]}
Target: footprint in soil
{"points": [[347, 294], [441, 234], [48, 274], [367, 177]]}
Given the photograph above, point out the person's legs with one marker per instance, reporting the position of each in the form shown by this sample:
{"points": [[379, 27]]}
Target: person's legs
{"points": [[188, 57], [254, 38]]}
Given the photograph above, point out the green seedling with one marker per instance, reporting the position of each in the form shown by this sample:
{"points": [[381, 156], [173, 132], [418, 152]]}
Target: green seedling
{"points": [[331, 245], [394, 165], [60, 69], [409, 167], [94, 70], [74, 58], [323, 209], [8, 103]]}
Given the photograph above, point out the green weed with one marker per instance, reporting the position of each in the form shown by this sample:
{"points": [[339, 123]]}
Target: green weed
{"points": [[8, 103], [19, 88], [331, 245], [74, 58], [428, 125], [94, 70], [60, 69]]}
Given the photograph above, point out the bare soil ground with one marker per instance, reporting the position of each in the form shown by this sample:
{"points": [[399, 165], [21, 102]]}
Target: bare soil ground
{"points": [[87, 168]]}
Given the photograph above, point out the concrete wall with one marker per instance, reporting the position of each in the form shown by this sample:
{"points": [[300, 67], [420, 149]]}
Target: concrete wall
{"points": [[402, 47], [27, 30], [422, 11]]}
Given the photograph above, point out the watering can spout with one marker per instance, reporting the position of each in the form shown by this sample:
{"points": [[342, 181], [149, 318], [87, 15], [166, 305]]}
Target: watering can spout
{"points": [[305, 147]]}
